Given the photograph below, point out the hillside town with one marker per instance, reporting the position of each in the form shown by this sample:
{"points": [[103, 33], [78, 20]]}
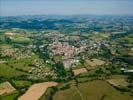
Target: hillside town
{"points": [[88, 52]]}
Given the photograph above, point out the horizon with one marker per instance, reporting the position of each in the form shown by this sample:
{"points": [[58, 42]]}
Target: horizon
{"points": [[66, 8], [72, 15]]}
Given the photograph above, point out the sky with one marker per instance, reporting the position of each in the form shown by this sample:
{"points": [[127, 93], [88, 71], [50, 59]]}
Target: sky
{"points": [[65, 7]]}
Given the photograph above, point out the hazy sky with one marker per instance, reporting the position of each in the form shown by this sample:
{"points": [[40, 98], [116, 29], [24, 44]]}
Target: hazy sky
{"points": [[65, 7]]}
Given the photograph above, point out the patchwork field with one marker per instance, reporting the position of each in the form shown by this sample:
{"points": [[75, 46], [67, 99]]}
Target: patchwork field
{"points": [[36, 91], [6, 88], [94, 90]]}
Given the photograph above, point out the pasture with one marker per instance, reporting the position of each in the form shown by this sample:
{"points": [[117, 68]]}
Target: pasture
{"points": [[21, 84], [8, 72], [93, 90], [12, 96]]}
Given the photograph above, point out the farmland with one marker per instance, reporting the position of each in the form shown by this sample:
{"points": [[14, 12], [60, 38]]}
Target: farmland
{"points": [[20, 40], [12, 96], [6, 88], [94, 90], [21, 83], [36, 91], [79, 71], [8, 72], [66, 57], [93, 63], [118, 82]]}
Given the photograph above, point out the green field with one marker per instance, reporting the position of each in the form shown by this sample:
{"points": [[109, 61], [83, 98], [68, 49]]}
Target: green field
{"points": [[15, 68], [12, 96], [20, 39], [129, 38], [94, 90], [8, 72], [21, 84]]}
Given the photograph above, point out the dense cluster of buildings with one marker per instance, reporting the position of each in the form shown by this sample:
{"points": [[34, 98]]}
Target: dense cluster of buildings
{"points": [[64, 49]]}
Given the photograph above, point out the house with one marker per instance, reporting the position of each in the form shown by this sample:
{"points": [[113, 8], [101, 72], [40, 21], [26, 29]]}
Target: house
{"points": [[126, 70]]}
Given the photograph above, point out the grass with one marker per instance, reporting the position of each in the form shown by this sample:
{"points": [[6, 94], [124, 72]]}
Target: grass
{"points": [[20, 39], [93, 63], [129, 39], [83, 79], [65, 94], [93, 90], [15, 68], [48, 94], [98, 36], [20, 65], [12, 96], [8, 72], [5, 46], [21, 83]]}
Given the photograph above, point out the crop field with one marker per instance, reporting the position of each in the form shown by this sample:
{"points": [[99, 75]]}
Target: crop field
{"points": [[91, 64], [79, 71], [6, 88], [98, 62], [118, 82], [94, 90], [36, 91], [66, 57]]}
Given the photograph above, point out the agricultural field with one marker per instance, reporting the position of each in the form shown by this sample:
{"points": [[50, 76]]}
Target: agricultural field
{"points": [[17, 38], [12, 96], [66, 57], [6, 88], [93, 90], [21, 84], [98, 36], [20, 39], [36, 91], [129, 38], [118, 82], [79, 71], [93, 63], [8, 72]]}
